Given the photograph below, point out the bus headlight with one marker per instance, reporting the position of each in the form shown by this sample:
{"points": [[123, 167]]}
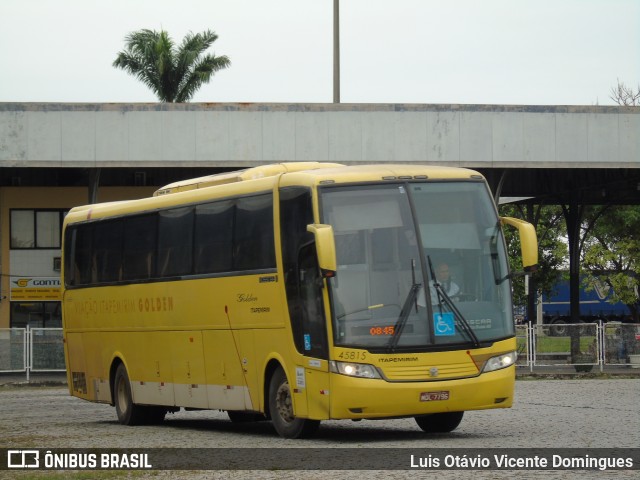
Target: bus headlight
{"points": [[360, 370], [501, 361]]}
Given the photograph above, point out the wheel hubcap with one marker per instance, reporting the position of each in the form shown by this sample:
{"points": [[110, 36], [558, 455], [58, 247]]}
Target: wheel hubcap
{"points": [[283, 403]]}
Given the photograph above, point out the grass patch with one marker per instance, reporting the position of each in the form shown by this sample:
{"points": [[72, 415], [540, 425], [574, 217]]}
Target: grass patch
{"points": [[557, 344], [562, 344]]}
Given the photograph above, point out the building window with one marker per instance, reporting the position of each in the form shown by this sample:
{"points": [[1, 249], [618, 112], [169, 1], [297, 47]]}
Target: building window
{"points": [[36, 315], [36, 228], [22, 229]]}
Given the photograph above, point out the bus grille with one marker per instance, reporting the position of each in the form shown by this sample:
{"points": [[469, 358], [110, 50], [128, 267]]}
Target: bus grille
{"points": [[422, 373]]}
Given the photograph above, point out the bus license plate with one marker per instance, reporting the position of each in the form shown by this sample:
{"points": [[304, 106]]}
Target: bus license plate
{"points": [[434, 396]]}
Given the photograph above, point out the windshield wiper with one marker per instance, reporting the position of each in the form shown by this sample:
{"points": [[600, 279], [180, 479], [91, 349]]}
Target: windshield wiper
{"points": [[443, 297], [404, 314]]}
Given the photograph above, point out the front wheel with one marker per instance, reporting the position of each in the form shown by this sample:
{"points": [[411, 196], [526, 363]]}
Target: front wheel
{"points": [[440, 422], [281, 409]]}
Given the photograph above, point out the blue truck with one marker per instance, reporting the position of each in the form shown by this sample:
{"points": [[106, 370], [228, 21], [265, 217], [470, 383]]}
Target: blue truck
{"points": [[594, 307]]}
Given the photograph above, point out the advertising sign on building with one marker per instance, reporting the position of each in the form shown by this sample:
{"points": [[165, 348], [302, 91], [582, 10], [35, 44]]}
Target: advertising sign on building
{"points": [[36, 289]]}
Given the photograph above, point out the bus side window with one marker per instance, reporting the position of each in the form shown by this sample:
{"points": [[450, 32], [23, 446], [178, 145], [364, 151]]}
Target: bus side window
{"points": [[214, 237], [139, 258], [253, 233], [82, 255], [107, 251], [175, 242]]}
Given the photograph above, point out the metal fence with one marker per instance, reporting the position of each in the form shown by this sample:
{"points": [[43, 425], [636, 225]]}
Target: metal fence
{"points": [[31, 350], [583, 346]]}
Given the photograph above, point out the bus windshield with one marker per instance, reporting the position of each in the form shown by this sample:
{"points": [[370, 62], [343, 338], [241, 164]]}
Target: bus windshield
{"points": [[421, 266]]}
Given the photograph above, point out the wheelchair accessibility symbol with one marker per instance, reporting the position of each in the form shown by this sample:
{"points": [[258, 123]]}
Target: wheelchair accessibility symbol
{"points": [[443, 324]]}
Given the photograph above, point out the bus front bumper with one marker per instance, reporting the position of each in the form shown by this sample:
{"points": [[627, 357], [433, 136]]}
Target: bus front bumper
{"points": [[360, 398]]}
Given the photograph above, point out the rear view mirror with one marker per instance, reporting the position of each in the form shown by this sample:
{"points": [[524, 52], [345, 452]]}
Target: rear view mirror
{"points": [[325, 247], [528, 242]]}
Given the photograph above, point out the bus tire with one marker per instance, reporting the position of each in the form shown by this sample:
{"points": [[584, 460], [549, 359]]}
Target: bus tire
{"points": [[440, 422], [281, 409], [128, 412]]}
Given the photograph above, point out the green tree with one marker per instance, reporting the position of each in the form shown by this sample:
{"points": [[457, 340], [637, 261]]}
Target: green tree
{"points": [[173, 73], [552, 250], [611, 255]]}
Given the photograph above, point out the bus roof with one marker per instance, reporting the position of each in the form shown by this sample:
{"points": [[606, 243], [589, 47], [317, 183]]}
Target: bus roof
{"points": [[378, 172], [241, 175], [323, 169]]}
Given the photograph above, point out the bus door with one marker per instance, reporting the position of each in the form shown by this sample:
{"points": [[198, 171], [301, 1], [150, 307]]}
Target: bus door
{"points": [[309, 374], [311, 335]]}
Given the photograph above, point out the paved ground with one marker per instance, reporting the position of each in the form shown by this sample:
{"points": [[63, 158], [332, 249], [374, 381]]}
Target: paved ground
{"points": [[588, 413]]}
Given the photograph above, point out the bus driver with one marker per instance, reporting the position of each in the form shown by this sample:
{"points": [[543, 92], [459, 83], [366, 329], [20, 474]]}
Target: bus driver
{"points": [[443, 277]]}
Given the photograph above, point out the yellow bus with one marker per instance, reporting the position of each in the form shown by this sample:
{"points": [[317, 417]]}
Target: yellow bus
{"points": [[295, 292]]}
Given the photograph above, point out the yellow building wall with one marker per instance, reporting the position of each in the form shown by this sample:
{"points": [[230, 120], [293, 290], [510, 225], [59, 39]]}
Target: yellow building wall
{"points": [[45, 198]]}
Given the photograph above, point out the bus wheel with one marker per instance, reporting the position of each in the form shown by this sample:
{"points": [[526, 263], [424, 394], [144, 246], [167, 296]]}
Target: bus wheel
{"points": [[281, 409], [128, 412], [440, 422]]}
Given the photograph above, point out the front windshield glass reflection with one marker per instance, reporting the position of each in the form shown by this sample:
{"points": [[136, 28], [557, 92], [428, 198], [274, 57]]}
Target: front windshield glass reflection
{"points": [[384, 254]]}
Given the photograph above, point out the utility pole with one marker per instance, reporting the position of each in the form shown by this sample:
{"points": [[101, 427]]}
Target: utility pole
{"points": [[336, 51]]}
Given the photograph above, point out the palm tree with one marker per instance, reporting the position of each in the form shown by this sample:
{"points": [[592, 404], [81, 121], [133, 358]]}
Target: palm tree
{"points": [[173, 73]]}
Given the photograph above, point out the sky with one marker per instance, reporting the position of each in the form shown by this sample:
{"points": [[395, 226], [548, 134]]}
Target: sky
{"points": [[513, 52]]}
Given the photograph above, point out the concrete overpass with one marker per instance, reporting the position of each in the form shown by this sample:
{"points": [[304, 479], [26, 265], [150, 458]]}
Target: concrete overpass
{"points": [[222, 135], [539, 146]]}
